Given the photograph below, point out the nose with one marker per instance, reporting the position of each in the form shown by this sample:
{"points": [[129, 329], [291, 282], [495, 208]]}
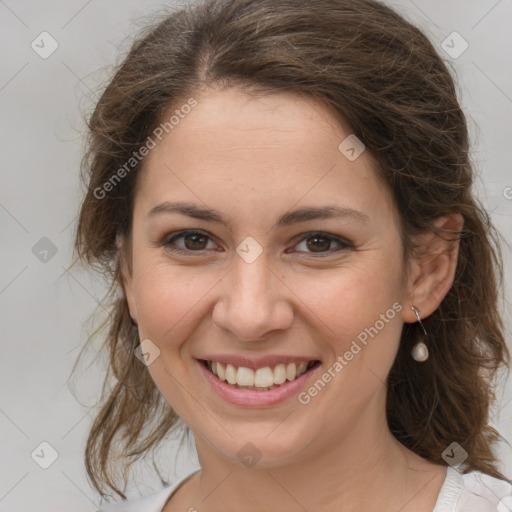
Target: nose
{"points": [[254, 301]]}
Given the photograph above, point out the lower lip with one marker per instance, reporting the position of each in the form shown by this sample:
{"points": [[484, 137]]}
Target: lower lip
{"points": [[254, 398]]}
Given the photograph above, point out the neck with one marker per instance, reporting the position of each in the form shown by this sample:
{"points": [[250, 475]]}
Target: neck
{"points": [[363, 469]]}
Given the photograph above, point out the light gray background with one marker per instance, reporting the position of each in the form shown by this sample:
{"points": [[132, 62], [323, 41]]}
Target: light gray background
{"points": [[44, 307]]}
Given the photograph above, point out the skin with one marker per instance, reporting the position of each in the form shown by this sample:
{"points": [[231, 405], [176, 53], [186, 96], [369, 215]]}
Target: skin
{"points": [[253, 159]]}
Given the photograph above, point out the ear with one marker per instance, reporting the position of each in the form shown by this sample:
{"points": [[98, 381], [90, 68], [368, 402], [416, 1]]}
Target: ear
{"points": [[124, 258], [433, 267]]}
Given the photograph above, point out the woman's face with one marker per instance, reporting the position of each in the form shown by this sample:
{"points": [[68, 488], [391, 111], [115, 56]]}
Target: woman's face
{"points": [[261, 287]]}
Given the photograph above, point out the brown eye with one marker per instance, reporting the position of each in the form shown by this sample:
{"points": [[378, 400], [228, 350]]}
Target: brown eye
{"points": [[188, 242], [193, 241], [318, 243], [321, 242]]}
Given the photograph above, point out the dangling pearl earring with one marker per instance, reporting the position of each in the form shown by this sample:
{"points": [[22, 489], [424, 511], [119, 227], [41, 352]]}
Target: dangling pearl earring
{"points": [[420, 350]]}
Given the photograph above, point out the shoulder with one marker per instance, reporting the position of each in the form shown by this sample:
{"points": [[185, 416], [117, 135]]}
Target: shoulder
{"points": [[481, 490], [474, 492], [152, 503]]}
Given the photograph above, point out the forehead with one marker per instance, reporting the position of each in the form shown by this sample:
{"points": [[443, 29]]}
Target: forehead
{"points": [[274, 151]]}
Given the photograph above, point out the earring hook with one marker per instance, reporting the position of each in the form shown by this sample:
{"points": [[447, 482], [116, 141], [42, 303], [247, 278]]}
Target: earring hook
{"points": [[419, 319]]}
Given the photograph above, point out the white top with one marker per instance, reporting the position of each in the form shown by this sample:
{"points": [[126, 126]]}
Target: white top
{"points": [[472, 492]]}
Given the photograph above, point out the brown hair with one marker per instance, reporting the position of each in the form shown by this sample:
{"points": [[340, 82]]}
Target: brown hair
{"points": [[383, 76]]}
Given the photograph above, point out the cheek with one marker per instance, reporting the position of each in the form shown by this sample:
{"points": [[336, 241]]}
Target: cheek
{"points": [[359, 322], [348, 299], [169, 300]]}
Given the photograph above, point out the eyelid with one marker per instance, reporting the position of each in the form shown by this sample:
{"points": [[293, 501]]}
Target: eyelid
{"points": [[179, 234], [343, 244]]}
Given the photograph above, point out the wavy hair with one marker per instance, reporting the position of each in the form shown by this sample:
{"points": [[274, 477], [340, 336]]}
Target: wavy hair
{"points": [[382, 75]]}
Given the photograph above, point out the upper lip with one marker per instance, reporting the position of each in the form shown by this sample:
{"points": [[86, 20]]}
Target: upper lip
{"points": [[256, 362]]}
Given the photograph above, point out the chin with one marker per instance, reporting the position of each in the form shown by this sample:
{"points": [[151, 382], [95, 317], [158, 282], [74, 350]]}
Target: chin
{"points": [[267, 445]]}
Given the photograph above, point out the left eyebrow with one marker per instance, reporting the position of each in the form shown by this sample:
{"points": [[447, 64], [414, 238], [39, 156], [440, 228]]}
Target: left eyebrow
{"points": [[293, 217]]}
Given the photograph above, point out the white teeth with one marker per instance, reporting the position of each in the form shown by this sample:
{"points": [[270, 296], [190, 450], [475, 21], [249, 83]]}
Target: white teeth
{"points": [[245, 377], [301, 368], [263, 378], [231, 374], [291, 371], [279, 374], [221, 372]]}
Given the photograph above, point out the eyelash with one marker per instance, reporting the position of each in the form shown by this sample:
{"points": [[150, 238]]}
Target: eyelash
{"points": [[168, 242]]}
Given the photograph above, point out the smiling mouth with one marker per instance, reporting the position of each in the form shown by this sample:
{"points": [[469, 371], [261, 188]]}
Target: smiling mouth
{"points": [[262, 379]]}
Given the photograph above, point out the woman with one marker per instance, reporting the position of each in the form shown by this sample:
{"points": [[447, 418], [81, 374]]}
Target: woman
{"points": [[281, 193]]}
